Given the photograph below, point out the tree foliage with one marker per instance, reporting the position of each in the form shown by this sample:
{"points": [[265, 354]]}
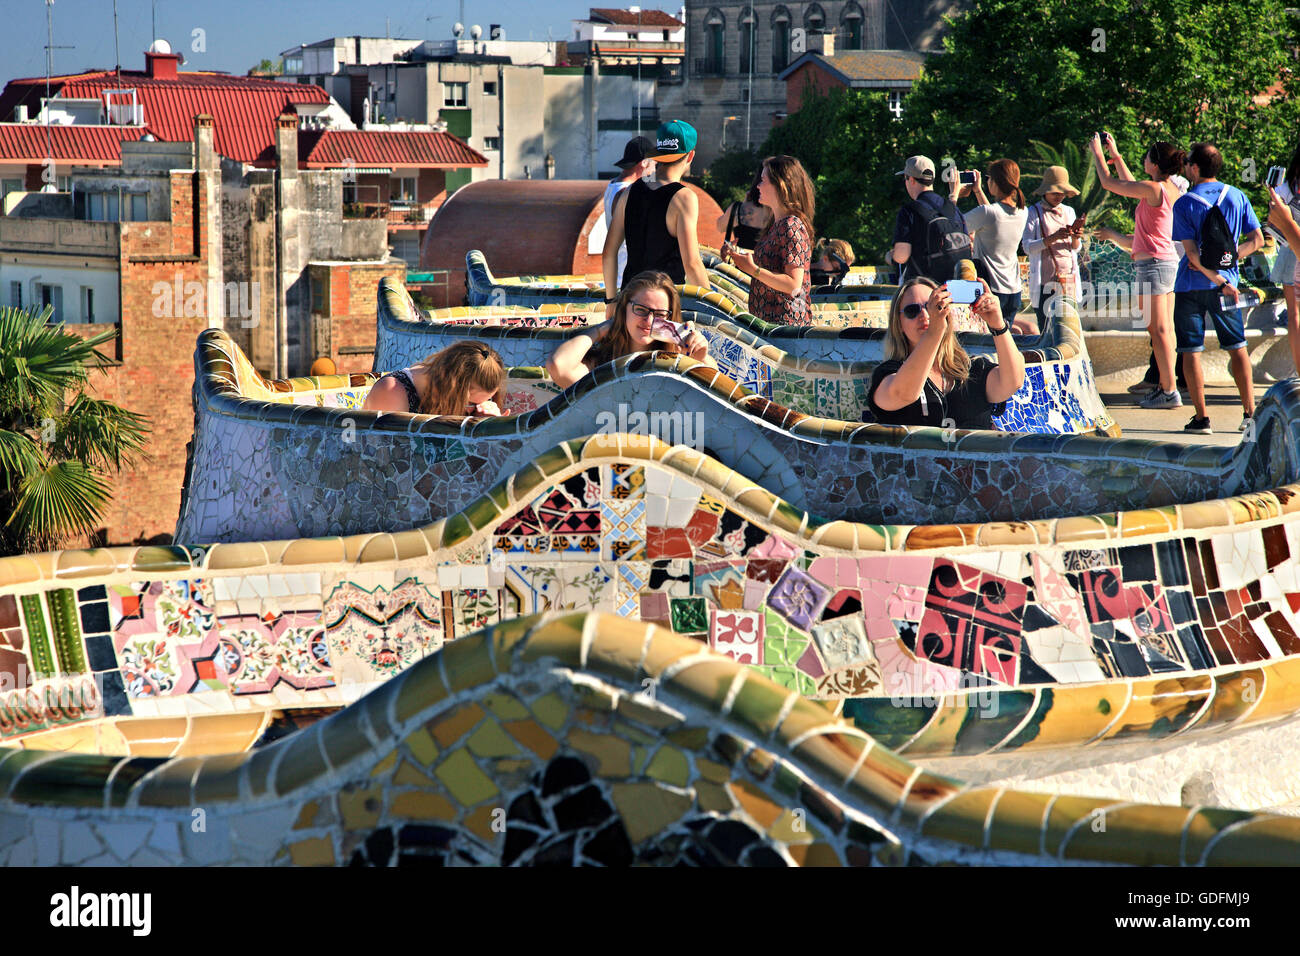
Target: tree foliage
{"points": [[1027, 79], [57, 444]]}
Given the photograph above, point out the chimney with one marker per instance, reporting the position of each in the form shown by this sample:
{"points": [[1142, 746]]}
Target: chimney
{"points": [[161, 66], [205, 154], [822, 43], [286, 143]]}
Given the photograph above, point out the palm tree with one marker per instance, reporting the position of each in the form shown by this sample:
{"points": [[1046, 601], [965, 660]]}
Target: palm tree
{"points": [[55, 454], [1093, 200]]}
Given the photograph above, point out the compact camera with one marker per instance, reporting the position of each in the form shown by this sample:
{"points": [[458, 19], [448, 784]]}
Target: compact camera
{"points": [[968, 178]]}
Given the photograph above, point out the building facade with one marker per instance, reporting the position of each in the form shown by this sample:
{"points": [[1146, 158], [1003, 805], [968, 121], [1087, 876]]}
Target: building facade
{"points": [[735, 53]]}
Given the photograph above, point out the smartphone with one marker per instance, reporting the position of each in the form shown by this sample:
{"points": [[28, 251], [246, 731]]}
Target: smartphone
{"points": [[964, 291], [666, 330], [968, 178], [1274, 177]]}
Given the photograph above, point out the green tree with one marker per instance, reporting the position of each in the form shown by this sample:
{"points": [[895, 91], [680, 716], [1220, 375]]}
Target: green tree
{"points": [[57, 444]]}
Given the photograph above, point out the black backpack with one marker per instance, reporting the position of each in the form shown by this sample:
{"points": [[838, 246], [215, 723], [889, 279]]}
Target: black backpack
{"points": [[1218, 246], [946, 240]]}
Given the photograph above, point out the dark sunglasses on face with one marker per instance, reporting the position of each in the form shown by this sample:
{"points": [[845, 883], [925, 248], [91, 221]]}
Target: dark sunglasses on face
{"points": [[913, 310], [645, 312]]}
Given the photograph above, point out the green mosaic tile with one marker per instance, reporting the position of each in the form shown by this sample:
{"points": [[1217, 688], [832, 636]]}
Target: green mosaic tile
{"points": [[67, 630], [38, 637], [689, 615]]}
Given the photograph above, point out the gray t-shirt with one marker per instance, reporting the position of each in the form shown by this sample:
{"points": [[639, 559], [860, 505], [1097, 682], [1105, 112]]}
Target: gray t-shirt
{"points": [[997, 230]]}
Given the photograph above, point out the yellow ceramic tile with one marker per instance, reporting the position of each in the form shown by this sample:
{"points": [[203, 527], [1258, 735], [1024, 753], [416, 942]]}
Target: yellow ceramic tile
{"points": [[360, 808], [422, 747], [384, 765], [689, 738], [756, 803], [318, 851], [408, 775], [467, 783], [504, 706], [647, 808], [467, 664], [613, 755], [814, 854], [669, 765], [421, 805], [450, 728], [792, 826], [307, 816], [711, 770], [551, 710], [491, 741], [531, 735], [961, 819], [1017, 822], [486, 822]]}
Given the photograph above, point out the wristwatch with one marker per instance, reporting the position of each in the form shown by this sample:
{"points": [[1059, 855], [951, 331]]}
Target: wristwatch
{"points": [[611, 301], [1002, 331]]}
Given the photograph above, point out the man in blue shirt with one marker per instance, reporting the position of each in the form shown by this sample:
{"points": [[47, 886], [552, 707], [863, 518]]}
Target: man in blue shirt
{"points": [[1200, 290]]}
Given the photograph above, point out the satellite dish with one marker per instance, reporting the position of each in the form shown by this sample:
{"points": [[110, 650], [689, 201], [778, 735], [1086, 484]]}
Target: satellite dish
{"points": [[457, 29], [160, 46], [476, 31]]}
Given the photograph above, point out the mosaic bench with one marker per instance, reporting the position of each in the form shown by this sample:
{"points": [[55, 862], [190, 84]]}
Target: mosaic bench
{"points": [[1058, 396], [1110, 630], [841, 310], [286, 459], [534, 743]]}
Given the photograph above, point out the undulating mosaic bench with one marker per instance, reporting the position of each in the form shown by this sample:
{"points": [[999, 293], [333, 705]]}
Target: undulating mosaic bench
{"points": [[581, 738], [1025, 639], [285, 459], [1058, 396]]}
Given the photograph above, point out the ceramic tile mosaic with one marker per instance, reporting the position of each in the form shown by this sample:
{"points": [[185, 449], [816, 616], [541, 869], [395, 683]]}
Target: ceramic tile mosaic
{"points": [[536, 744]]}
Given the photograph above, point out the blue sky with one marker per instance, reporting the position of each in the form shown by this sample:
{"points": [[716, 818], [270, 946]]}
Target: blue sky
{"points": [[240, 33]]}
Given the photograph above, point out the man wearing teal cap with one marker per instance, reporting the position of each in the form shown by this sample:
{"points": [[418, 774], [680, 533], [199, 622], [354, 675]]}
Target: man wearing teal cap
{"points": [[658, 220]]}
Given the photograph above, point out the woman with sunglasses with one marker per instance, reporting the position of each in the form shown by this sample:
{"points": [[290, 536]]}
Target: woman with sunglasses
{"points": [[647, 316], [927, 378]]}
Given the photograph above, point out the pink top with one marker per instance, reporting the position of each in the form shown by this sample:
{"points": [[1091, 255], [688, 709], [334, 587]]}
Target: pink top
{"points": [[1153, 230]]}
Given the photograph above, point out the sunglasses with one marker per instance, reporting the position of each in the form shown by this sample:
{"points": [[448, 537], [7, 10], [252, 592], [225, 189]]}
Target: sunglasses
{"points": [[645, 312], [914, 310]]}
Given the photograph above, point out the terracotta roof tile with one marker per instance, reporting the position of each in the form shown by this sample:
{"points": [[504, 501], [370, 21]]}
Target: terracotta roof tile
{"points": [[337, 147], [646, 18], [27, 143]]}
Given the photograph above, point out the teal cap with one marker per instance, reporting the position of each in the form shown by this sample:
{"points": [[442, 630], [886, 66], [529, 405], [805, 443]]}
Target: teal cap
{"points": [[674, 140]]}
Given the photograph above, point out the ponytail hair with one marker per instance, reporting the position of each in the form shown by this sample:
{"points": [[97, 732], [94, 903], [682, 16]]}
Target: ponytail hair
{"points": [[1006, 173], [1167, 158]]}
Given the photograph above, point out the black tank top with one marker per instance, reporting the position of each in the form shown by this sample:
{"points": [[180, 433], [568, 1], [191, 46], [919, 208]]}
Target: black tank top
{"points": [[645, 224]]}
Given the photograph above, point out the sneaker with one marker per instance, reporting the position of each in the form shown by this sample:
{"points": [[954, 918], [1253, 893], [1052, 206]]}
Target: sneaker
{"points": [[1143, 387], [1247, 422], [1198, 426], [1159, 399]]}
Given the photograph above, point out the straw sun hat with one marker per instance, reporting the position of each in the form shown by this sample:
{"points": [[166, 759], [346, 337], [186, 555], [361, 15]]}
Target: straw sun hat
{"points": [[1056, 180]]}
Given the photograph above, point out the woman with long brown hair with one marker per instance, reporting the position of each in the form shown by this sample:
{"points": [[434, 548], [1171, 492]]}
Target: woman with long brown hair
{"points": [[465, 378], [997, 227], [781, 263], [647, 315], [927, 378]]}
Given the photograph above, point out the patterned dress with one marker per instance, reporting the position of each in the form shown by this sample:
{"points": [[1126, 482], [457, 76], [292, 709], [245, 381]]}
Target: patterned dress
{"points": [[785, 246]]}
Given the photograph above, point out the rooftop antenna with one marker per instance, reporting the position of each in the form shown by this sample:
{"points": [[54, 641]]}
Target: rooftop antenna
{"points": [[49, 69], [117, 50], [154, 24]]}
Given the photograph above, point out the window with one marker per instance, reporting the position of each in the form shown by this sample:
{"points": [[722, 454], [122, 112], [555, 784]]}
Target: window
{"points": [[16, 294], [714, 24], [117, 207], [402, 190], [52, 295], [408, 250], [350, 192], [320, 293], [814, 18], [747, 40], [139, 207], [101, 207], [8, 186], [851, 26], [896, 103], [491, 142], [454, 94], [780, 39], [87, 304], [490, 88]]}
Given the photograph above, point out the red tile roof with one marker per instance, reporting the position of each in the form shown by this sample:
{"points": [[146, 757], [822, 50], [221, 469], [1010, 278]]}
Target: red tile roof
{"points": [[243, 108], [338, 147], [646, 18], [27, 143]]}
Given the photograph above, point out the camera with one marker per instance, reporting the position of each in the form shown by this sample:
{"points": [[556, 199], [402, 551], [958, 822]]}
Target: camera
{"points": [[1274, 176], [968, 178], [1101, 135]]}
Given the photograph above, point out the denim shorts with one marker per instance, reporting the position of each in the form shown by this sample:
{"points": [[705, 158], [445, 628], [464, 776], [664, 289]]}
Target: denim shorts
{"points": [[1155, 276], [1190, 310]]}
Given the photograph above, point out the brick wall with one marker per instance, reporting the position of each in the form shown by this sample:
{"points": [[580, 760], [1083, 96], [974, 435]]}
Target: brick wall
{"points": [[808, 77], [156, 351], [353, 291]]}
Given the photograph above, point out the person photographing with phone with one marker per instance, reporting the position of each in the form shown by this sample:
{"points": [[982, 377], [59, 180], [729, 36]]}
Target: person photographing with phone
{"points": [[647, 317], [1052, 239], [997, 227], [927, 378]]}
